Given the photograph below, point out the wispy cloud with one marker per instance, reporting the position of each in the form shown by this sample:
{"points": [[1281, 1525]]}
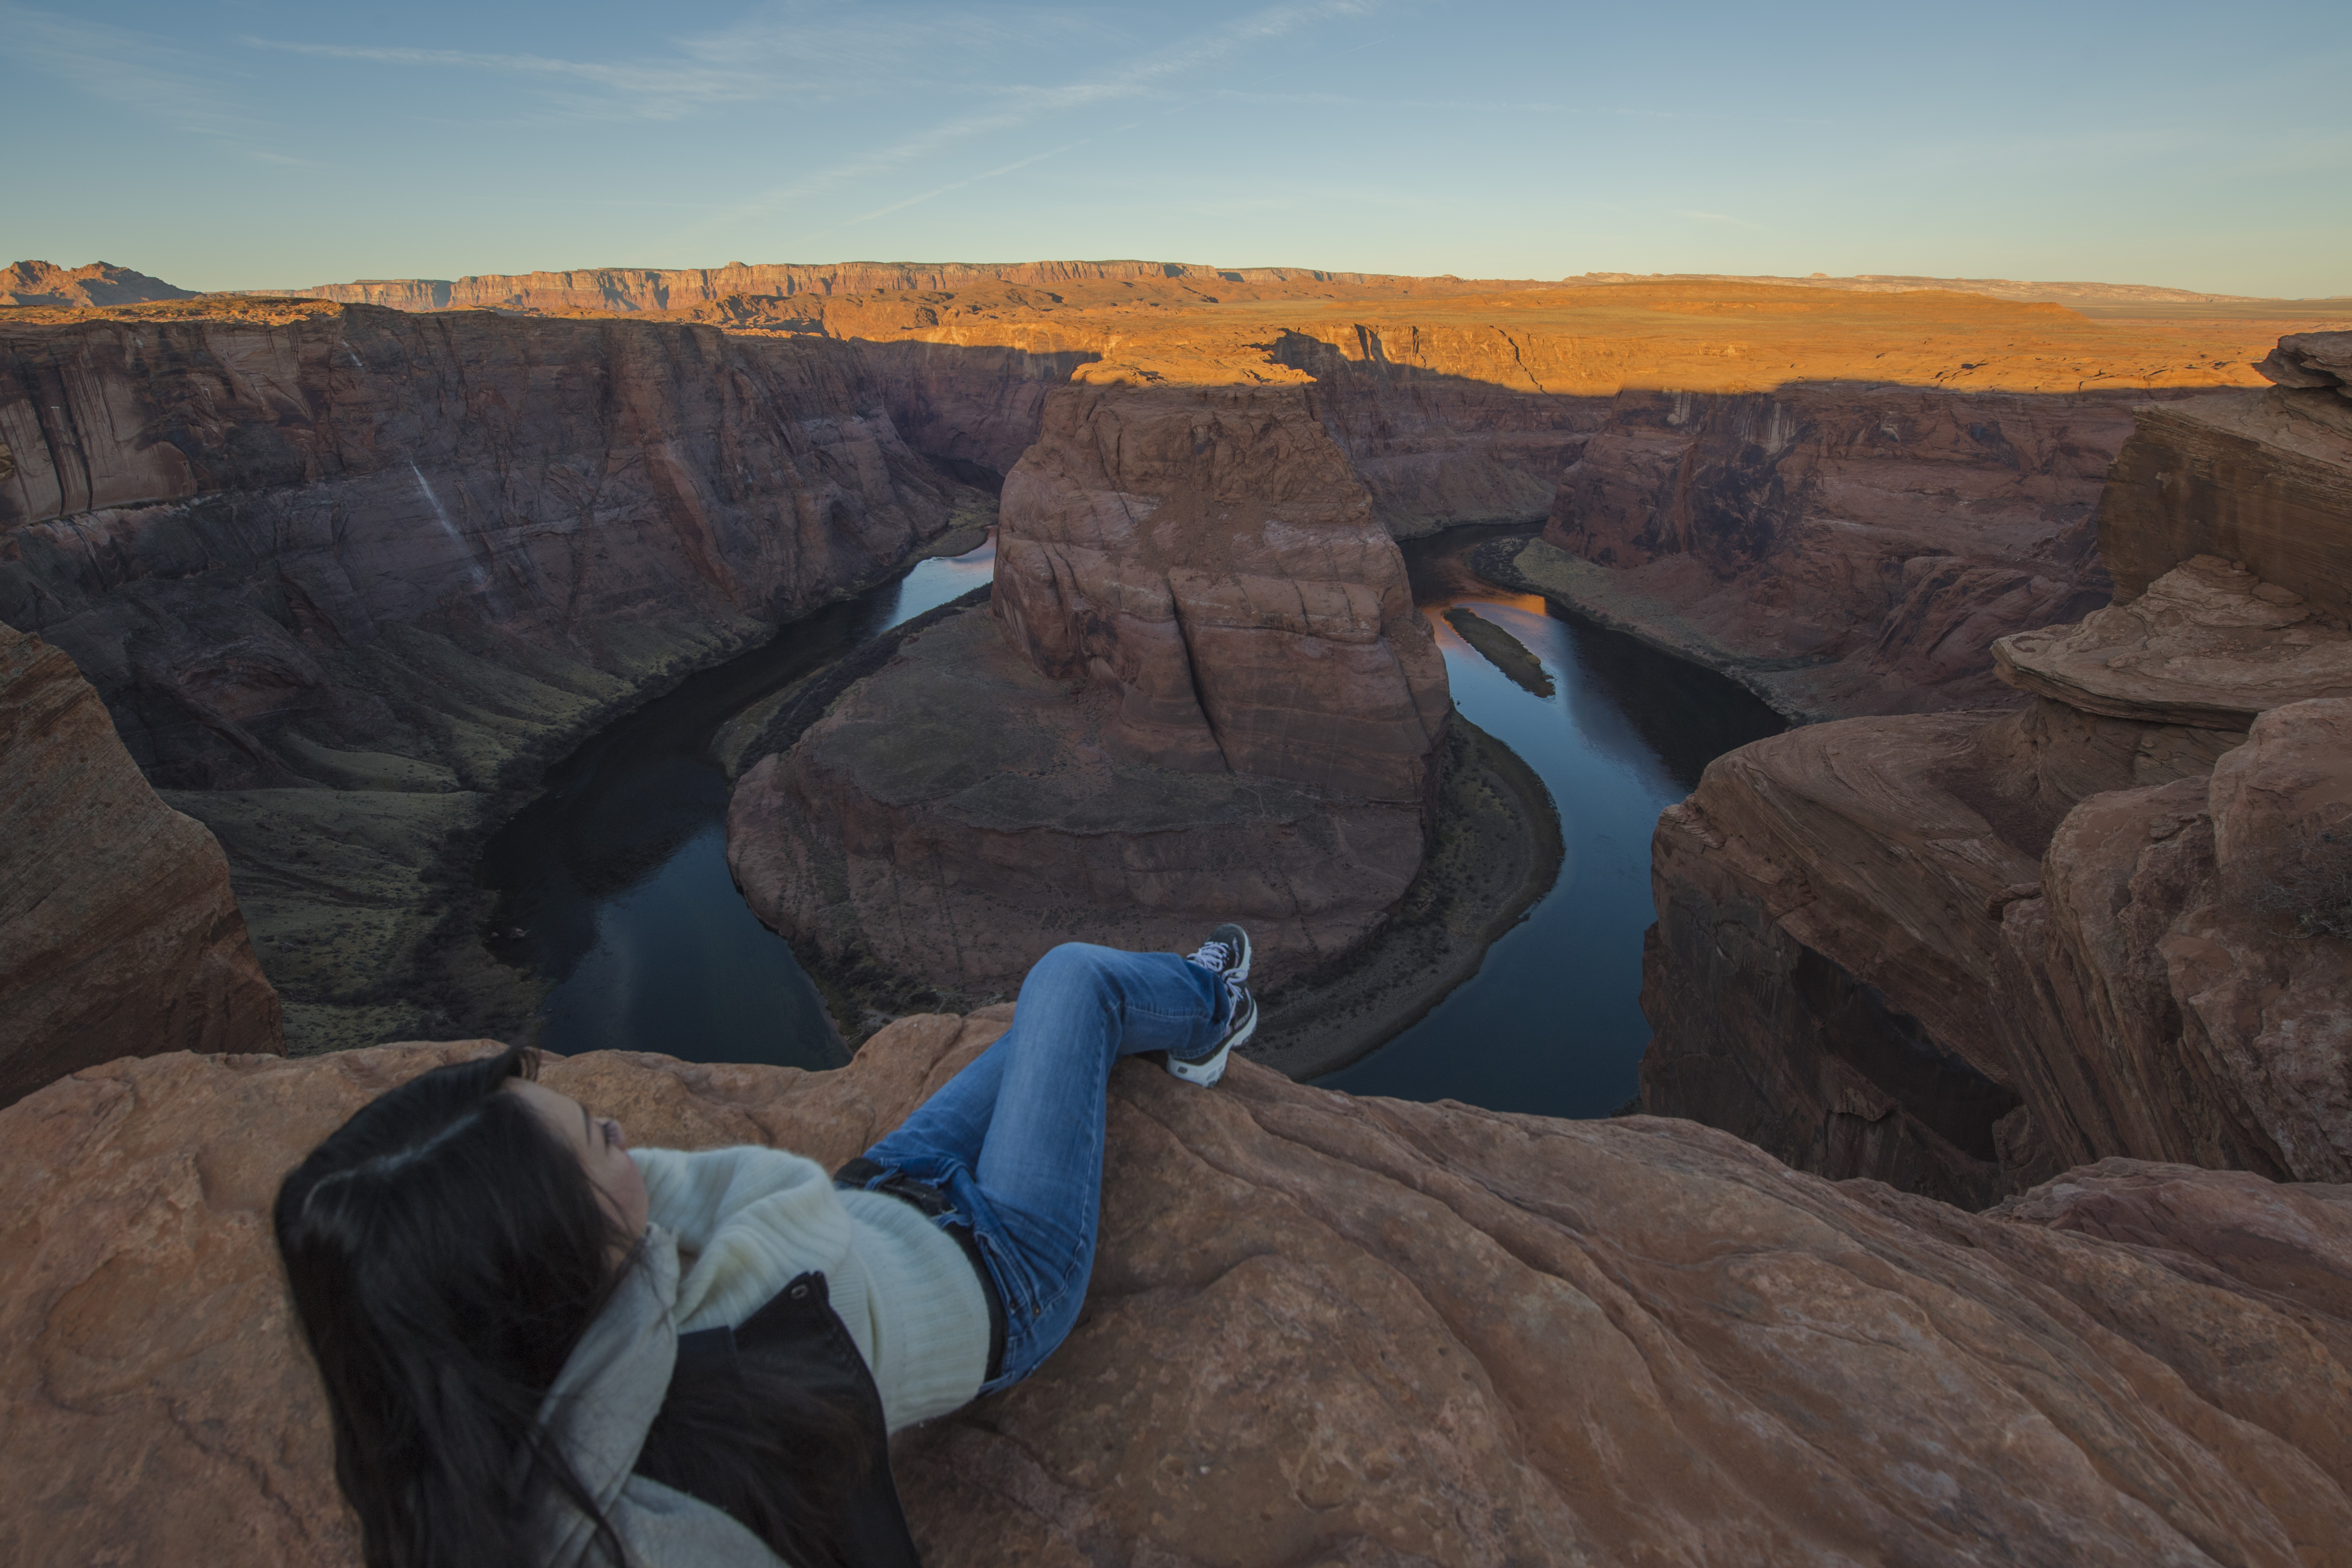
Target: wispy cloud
{"points": [[779, 52], [1153, 74], [139, 73]]}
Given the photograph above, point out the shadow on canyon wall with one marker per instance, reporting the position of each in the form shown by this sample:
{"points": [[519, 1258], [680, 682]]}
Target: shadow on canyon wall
{"points": [[349, 580]]}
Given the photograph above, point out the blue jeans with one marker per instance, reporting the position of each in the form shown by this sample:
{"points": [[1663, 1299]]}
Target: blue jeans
{"points": [[1015, 1140]]}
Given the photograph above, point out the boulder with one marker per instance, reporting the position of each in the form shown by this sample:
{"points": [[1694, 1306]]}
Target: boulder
{"points": [[1320, 1330], [2312, 359], [119, 933]]}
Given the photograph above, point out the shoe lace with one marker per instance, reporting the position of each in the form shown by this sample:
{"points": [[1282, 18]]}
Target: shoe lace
{"points": [[1212, 956]]}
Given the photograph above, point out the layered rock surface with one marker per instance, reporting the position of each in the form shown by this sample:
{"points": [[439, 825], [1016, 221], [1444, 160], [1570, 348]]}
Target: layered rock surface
{"points": [[1204, 694], [1960, 951], [346, 578], [119, 933], [2207, 645], [1320, 1329]]}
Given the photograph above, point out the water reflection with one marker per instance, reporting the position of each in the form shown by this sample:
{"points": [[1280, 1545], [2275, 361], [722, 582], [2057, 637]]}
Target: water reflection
{"points": [[1551, 1024], [616, 878]]}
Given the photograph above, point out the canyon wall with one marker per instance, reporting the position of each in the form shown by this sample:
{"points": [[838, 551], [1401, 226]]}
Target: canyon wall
{"points": [[119, 933], [1321, 1330], [1204, 694], [348, 578], [1958, 951], [1858, 546]]}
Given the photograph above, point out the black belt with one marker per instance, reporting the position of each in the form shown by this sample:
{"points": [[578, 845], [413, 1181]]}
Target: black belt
{"points": [[858, 1175]]}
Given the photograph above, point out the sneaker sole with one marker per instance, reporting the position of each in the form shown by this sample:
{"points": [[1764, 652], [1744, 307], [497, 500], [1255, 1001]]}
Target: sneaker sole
{"points": [[1209, 1070]]}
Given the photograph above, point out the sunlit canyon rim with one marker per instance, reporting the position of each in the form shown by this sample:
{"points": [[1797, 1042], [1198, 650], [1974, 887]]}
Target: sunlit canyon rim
{"points": [[2029, 911]]}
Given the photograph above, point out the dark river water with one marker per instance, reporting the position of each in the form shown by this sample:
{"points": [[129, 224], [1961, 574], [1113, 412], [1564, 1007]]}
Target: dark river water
{"points": [[616, 878]]}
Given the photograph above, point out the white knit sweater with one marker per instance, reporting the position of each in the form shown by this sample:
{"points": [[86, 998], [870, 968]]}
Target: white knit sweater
{"points": [[729, 1229], [748, 1220]]}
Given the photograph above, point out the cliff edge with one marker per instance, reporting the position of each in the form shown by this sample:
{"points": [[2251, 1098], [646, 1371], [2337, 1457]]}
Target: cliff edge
{"points": [[1321, 1330]]}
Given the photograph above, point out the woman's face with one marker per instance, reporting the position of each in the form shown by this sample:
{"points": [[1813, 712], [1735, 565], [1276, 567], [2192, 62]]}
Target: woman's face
{"points": [[604, 1153]]}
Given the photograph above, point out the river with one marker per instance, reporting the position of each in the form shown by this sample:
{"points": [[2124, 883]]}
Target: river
{"points": [[612, 887]]}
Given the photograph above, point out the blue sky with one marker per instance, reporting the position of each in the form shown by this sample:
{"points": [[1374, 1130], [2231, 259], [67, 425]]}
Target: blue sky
{"points": [[234, 143]]}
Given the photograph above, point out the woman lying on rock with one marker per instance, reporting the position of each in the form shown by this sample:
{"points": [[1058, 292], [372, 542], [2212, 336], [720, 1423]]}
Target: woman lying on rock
{"points": [[541, 1346]]}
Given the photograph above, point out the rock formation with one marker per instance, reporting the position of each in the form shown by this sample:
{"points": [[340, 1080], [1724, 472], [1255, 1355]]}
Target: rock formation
{"points": [[118, 934], [1205, 694], [345, 575], [1958, 951], [1320, 1330], [2311, 359], [39, 283]]}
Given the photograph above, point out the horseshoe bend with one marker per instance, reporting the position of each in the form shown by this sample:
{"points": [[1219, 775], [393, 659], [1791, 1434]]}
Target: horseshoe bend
{"points": [[1985, 1194]]}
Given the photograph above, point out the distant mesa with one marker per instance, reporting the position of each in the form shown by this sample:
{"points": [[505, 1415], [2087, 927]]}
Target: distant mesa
{"points": [[2021, 289], [100, 283], [650, 288]]}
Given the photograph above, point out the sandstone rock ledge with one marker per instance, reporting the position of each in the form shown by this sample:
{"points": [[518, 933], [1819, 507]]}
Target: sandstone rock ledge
{"points": [[1323, 1330]]}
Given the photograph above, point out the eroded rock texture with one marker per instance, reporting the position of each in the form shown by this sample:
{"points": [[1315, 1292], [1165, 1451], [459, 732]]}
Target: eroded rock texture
{"points": [[1320, 1330], [343, 575], [1204, 694], [1960, 951], [118, 934], [1858, 546]]}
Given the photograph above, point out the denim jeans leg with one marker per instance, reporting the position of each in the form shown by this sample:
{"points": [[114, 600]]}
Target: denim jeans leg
{"points": [[1017, 1138]]}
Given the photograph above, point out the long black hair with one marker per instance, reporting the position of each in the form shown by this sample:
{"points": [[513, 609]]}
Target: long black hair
{"points": [[446, 1253]]}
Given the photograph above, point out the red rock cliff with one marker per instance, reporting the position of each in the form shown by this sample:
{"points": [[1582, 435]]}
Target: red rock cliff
{"points": [[1320, 1329]]}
